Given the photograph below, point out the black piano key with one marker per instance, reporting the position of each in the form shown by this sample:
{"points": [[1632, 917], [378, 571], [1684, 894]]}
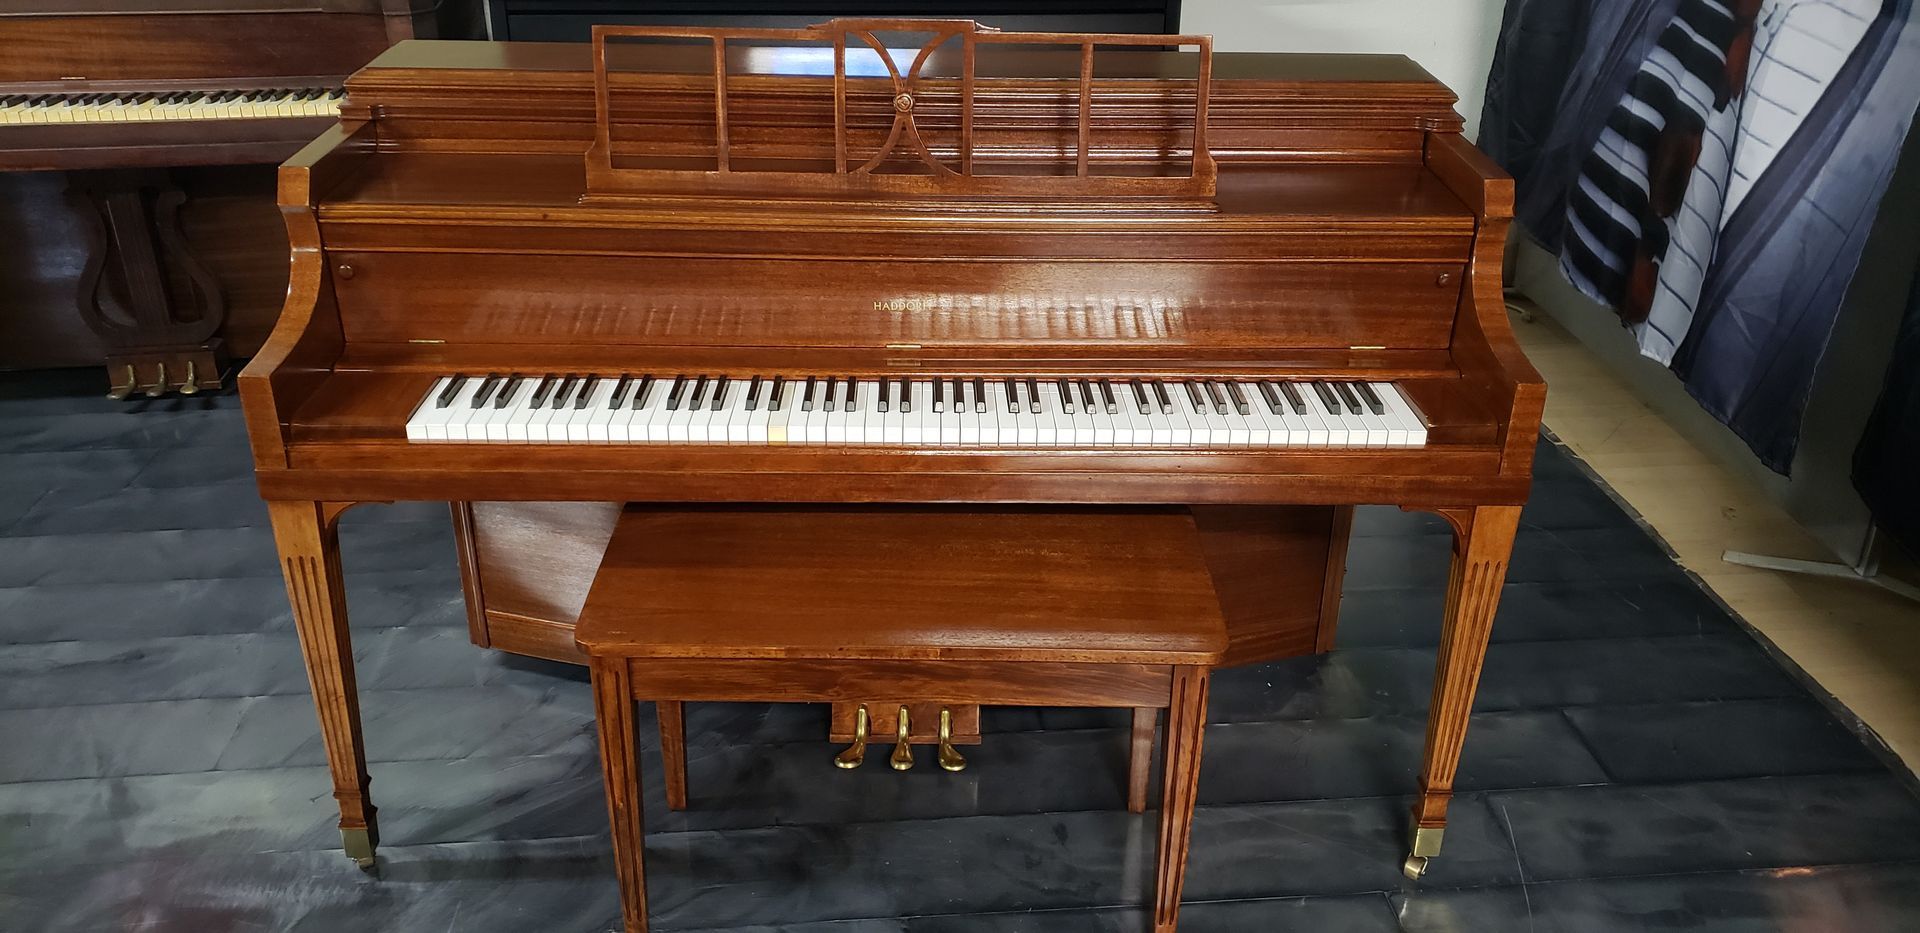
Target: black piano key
{"points": [[1013, 396], [1194, 396], [487, 386], [1166, 401], [1140, 399], [541, 391], [1219, 398], [773, 394], [1347, 395], [585, 393], [1066, 396], [640, 394], [906, 396], [563, 393], [1033, 396], [673, 394], [826, 396], [719, 393], [753, 394], [699, 396], [1294, 398], [451, 392], [1372, 398], [1086, 396], [1327, 397], [853, 394], [806, 401], [1106, 395], [884, 400], [1239, 398], [979, 396], [619, 393], [507, 389], [1272, 397], [939, 396]]}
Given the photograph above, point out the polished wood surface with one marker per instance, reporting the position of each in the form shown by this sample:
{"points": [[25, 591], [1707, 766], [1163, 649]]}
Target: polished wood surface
{"points": [[173, 269], [957, 607], [448, 225], [960, 584]]}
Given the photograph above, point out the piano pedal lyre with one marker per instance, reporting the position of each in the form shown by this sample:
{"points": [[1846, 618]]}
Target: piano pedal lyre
{"points": [[853, 756], [120, 392], [902, 757], [950, 757]]}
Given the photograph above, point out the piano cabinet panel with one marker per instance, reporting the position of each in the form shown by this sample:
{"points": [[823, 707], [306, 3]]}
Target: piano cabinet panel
{"points": [[491, 299], [231, 226], [526, 568], [173, 46]]}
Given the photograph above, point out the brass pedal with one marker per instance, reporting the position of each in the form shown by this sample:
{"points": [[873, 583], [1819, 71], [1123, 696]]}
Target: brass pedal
{"points": [[120, 392], [159, 386], [902, 758], [190, 385], [950, 757], [853, 756]]}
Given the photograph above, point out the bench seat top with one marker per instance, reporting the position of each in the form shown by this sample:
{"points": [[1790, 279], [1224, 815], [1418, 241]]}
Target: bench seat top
{"points": [[1126, 586]]}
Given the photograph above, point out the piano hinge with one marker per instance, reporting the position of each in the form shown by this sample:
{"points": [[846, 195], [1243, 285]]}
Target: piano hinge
{"points": [[903, 346], [423, 340]]}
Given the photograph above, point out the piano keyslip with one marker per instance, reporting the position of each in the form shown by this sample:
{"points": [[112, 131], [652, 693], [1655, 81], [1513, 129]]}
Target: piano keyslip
{"points": [[971, 414]]}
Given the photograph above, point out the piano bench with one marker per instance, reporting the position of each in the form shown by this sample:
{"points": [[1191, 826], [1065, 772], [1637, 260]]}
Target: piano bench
{"points": [[938, 608]]}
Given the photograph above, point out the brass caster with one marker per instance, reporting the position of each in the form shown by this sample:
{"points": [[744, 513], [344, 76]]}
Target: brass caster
{"points": [[1426, 840], [120, 392], [191, 385], [856, 754], [359, 846], [159, 386], [950, 757], [902, 758], [1414, 867]]}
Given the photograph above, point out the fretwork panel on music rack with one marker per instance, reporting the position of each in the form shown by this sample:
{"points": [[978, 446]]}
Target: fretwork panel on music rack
{"points": [[638, 408]]}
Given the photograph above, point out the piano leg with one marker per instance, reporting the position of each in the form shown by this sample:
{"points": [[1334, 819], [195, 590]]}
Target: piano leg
{"points": [[307, 536], [1483, 540]]}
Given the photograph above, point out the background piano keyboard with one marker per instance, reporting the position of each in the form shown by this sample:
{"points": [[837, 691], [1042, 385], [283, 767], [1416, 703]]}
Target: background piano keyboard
{"points": [[159, 106], [943, 412]]}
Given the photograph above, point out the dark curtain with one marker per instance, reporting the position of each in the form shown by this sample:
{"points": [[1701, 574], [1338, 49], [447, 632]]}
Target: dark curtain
{"points": [[1886, 466]]}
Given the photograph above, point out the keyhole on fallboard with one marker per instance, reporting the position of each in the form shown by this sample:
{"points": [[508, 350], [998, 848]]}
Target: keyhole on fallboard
{"points": [[1443, 279]]}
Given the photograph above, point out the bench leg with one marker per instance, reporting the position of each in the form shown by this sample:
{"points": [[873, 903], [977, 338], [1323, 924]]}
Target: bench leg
{"points": [[1140, 758], [1186, 725], [673, 750], [613, 711]]}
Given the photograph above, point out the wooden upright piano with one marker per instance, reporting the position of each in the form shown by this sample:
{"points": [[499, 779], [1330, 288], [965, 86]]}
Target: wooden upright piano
{"points": [[886, 262], [118, 94]]}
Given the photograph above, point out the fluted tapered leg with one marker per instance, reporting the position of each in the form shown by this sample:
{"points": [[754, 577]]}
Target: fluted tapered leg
{"points": [[309, 549], [620, 770], [1483, 540]]}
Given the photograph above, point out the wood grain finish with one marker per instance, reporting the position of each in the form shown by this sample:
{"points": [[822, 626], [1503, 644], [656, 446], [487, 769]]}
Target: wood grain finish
{"points": [[639, 647], [620, 772], [1353, 234], [309, 545], [1483, 540], [673, 750], [1180, 787], [1140, 756]]}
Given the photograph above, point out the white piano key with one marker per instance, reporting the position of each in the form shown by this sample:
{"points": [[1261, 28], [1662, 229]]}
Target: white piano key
{"points": [[970, 416], [1410, 417], [422, 412], [760, 417], [950, 417], [1046, 429], [780, 423], [494, 428], [892, 433], [912, 420]]}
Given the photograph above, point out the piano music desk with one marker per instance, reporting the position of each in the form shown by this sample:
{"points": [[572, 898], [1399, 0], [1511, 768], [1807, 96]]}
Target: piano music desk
{"points": [[1086, 607]]}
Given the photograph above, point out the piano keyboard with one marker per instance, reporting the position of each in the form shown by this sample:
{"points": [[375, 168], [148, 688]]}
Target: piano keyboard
{"points": [[898, 412], [156, 106]]}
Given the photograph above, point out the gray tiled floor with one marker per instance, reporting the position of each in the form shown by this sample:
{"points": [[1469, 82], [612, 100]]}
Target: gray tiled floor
{"points": [[1636, 762]]}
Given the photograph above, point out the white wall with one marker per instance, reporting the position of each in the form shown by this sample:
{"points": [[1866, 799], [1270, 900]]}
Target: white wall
{"points": [[1453, 39]]}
